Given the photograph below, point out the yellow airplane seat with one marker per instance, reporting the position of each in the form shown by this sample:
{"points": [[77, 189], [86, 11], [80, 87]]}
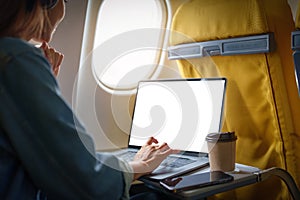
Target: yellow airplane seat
{"points": [[249, 43]]}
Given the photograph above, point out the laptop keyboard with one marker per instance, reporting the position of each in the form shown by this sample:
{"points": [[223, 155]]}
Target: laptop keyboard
{"points": [[170, 161], [176, 162]]}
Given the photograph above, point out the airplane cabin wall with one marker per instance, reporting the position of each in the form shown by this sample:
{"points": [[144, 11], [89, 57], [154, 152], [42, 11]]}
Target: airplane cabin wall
{"points": [[68, 40]]}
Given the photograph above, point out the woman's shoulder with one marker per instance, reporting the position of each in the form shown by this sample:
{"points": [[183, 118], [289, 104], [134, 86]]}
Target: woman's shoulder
{"points": [[16, 46], [21, 57]]}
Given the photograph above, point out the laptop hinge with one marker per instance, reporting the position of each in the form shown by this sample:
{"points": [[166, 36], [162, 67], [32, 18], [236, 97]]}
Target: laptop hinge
{"points": [[242, 45]]}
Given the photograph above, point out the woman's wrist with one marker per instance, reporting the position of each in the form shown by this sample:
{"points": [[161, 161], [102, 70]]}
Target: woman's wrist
{"points": [[140, 168]]}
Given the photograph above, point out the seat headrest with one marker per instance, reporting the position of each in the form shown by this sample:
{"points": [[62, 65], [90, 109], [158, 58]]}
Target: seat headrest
{"points": [[218, 19]]}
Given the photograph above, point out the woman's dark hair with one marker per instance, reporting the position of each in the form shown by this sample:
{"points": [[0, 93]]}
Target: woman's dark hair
{"points": [[47, 4], [21, 18]]}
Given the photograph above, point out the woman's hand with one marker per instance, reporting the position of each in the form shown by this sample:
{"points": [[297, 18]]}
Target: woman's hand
{"points": [[149, 157], [54, 57]]}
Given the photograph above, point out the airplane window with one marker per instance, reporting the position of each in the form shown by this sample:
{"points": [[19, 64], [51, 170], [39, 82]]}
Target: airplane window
{"points": [[129, 42]]}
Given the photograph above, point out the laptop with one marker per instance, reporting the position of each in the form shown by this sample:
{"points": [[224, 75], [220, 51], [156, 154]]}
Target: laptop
{"points": [[180, 112]]}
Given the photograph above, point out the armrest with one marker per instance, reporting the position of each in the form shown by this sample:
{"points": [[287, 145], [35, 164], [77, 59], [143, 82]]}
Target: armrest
{"points": [[283, 175]]}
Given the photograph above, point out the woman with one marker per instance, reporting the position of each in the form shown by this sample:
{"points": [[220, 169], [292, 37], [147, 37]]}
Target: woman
{"points": [[45, 157]]}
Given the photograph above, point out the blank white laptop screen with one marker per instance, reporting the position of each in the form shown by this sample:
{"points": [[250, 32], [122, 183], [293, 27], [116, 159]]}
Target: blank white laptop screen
{"points": [[180, 112]]}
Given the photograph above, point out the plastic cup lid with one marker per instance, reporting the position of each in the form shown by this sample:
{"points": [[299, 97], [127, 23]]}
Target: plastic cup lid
{"points": [[221, 137]]}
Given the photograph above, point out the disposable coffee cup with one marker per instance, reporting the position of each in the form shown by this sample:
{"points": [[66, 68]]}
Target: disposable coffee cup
{"points": [[221, 151]]}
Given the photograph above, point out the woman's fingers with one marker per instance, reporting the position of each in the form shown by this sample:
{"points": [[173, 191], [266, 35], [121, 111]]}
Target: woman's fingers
{"points": [[150, 156], [169, 152], [151, 140], [54, 57]]}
